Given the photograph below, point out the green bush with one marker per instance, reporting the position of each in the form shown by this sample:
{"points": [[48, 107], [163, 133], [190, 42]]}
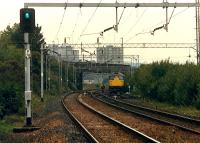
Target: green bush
{"points": [[167, 82]]}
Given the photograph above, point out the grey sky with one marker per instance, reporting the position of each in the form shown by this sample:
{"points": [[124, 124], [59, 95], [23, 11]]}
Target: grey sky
{"points": [[133, 22]]}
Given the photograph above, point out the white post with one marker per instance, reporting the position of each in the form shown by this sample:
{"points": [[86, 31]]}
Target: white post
{"points": [[75, 77], [42, 73], [131, 65], [49, 73], [46, 74], [27, 80], [67, 75], [59, 75], [60, 69], [73, 74]]}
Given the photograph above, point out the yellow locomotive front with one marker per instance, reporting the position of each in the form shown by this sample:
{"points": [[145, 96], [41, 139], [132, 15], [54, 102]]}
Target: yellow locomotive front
{"points": [[117, 83]]}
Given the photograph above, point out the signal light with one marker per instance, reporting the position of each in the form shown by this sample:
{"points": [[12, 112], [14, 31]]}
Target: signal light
{"points": [[27, 20]]}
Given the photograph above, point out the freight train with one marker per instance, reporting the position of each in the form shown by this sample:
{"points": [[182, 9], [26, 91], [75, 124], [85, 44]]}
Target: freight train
{"points": [[117, 84]]}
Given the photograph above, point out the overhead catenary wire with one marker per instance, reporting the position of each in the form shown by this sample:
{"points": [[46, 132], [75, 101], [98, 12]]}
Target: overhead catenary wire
{"points": [[76, 23], [172, 16], [89, 20], [61, 21], [90, 34], [164, 25], [150, 31], [114, 26], [132, 27], [128, 17], [121, 15]]}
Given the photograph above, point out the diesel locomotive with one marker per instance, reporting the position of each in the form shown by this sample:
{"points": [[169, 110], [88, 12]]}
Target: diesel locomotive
{"points": [[117, 83]]}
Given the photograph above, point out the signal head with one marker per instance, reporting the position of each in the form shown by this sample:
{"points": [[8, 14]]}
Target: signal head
{"points": [[27, 20]]}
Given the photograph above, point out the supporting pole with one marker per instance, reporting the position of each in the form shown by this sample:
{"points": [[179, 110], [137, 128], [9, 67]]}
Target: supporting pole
{"points": [[82, 51], [42, 73], [116, 26], [166, 25], [49, 73], [59, 75], [46, 72], [122, 50], [67, 76], [27, 80], [197, 32], [61, 72], [131, 65], [73, 72], [75, 77]]}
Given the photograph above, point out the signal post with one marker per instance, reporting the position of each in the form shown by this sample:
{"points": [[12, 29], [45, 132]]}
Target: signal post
{"points": [[27, 25]]}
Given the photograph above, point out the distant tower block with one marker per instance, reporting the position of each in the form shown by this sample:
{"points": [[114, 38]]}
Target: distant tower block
{"points": [[110, 54]]}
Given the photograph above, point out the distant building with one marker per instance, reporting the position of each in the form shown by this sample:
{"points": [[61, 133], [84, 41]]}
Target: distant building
{"points": [[67, 52], [71, 55], [110, 54]]}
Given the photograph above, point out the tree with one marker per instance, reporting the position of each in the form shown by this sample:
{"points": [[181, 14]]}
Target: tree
{"points": [[12, 67], [173, 83], [35, 39]]}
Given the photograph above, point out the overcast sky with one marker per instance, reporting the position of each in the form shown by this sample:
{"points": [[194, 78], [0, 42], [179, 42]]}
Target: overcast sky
{"points": [[133, 23]]}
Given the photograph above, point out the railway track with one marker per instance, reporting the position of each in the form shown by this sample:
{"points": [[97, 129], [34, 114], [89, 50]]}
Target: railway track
{"points": [[184, 123], [159, 131], [99, 127]]}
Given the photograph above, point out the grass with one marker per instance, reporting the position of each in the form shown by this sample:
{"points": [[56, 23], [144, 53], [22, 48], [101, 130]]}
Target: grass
{"points": [[38, 105], [9, 122], [5, 127], [184, 110], [15, 120]]}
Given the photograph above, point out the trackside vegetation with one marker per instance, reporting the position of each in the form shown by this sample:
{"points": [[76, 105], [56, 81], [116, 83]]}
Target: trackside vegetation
{"points": [[12, 71], [177, 84]]}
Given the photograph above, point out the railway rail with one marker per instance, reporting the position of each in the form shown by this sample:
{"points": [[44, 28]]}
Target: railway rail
{"points": [[86, 133], [184, 123], [99, 127], [163, 132]]}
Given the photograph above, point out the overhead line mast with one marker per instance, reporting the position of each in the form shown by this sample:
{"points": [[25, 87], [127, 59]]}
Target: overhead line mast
{"points": [[197, 32]]}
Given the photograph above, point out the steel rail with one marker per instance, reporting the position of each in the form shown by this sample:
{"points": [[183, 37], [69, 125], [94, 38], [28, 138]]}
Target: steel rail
{"points": [[87, 134], [142, 136], [175, 116], [147, 116]]}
